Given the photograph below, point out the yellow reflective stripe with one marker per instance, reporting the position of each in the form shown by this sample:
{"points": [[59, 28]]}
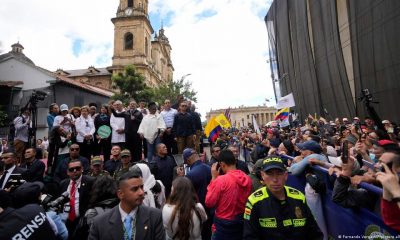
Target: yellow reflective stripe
{"points": [[258, 195], [294, 193], [268, 222], [299, 222], [287, 222]]}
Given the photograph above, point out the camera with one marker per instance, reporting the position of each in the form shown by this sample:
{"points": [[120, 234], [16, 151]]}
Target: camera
{"points": [[37, 96], [57, 204]]}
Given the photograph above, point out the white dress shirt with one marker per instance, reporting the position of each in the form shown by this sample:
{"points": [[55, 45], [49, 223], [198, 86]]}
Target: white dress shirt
{"points": [[84, 126], [169, 117], [150, 126], [65, 214], [9, 171], [124, 214], [117, 123]]}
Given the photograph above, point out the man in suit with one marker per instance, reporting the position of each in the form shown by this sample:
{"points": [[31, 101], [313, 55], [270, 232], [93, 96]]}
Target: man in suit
{"points": [[34, 167], [61, 172], [129, 219], [9, 160], [79, 187]]}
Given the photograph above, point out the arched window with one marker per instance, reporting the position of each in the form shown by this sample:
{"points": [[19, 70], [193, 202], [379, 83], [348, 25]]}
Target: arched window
{"points": [[128, 40], [130, 3]]}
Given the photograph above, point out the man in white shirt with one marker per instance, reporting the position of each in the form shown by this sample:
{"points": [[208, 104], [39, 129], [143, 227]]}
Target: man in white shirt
{"points": [[151, 128], [168, 115], [118, 126], [78, 187]]}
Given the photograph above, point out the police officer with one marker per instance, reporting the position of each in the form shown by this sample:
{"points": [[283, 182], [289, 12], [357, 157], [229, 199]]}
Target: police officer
{"points": [[277, 211]]}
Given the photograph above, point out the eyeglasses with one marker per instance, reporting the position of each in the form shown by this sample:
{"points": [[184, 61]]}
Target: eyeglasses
{"points": [[73, 169], [74, 149]]}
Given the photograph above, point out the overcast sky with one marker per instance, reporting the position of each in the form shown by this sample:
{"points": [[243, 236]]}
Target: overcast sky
{"points": [[221, 43]]}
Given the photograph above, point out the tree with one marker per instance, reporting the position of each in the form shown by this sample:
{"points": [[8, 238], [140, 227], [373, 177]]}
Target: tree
{"points": [[173, 89], [131, 85]]}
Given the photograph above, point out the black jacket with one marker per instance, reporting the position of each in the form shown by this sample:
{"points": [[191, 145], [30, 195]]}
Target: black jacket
{"points": [[34, 171], [184, 125], [266, 217], [133, 118], [350, 198], [14, 223]]}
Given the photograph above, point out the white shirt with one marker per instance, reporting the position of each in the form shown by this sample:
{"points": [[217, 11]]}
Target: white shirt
{"points": [[84, 126], [124, 214], [117, 123], [9, 171], [64, 215], [150, 126], [169, 117], [195, 234], [66, 126]]}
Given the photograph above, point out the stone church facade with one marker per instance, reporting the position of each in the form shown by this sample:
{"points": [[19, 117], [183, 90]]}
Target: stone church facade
{"points": [[135, 43]]}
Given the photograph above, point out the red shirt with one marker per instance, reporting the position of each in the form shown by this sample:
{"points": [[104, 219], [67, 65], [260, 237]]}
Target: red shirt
{"points": [[390, 214], [228, 194]]}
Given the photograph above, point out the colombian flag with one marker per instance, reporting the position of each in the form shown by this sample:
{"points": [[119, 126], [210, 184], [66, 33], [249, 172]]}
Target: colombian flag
{"points": [[282, 114], [212, 129]]}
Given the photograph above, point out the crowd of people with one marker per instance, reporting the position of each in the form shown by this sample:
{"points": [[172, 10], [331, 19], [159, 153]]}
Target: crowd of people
{"points": [[114, 173]]}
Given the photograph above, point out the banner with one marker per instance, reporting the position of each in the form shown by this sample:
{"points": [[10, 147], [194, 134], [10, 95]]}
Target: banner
{"points": [[285, 102], [212, 129], [255, 125]]}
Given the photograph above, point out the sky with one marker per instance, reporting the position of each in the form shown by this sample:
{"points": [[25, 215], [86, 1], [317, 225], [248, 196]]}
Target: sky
{"points": [[222, 44]]}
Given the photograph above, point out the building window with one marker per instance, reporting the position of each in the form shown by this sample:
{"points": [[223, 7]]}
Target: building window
{"points": [[130, 3], [128, 40], [146, 46]]}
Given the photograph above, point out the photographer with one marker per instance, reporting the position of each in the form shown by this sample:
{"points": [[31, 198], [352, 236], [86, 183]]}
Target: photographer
{"points": [[21, 138], [28, 220]]}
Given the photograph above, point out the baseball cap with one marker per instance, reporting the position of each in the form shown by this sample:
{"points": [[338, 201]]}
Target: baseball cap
{"points": [[187, 153], [125, 153], [273, 162], [27, 193], [64, 107], [310, 145], [96, 160]]}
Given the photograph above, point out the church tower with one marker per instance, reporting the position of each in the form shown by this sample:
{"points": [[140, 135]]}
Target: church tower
{"points": [[133, 44]]}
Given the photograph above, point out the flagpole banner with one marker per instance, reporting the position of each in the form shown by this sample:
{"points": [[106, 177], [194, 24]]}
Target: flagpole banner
{"points": [[255, 125], [282, 114], [285, 102]]}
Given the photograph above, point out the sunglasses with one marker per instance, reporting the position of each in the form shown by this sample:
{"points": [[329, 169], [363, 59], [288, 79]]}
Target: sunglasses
{"points": [[74, 149], [73, 169]]}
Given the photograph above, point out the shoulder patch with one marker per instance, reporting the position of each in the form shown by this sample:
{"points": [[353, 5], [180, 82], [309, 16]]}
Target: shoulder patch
{"points": [[294, 193], [258, 195]]}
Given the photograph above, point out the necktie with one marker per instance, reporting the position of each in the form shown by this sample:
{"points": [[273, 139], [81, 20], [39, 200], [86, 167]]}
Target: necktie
{"points": [[3, 178], [128, 227], [72, 215]]}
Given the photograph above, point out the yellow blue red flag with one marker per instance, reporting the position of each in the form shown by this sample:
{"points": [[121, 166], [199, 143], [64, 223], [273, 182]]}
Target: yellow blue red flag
{"points": [[282, 114]]}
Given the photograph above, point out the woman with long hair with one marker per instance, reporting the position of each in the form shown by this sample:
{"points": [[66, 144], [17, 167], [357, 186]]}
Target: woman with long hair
{"points": [[183, 215], [103, 145], [103, 197]]}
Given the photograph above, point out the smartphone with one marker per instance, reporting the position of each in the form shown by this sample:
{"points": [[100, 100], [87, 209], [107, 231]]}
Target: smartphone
{"points": [[345, 152]]}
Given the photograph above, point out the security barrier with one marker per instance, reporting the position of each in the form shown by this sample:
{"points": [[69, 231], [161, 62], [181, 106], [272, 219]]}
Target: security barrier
{"points": [[346, 223]]}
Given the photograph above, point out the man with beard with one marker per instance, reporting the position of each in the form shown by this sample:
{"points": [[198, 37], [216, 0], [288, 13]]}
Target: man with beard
{"points": [[9, 162], [130, 219]]}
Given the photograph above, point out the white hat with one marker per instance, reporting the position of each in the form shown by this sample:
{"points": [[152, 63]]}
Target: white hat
{"points": [[385, 122], [64, 107]]}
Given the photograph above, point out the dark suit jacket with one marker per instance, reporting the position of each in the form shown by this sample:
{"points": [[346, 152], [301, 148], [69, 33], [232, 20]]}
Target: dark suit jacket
{"points": [[17, 170], [34, 171], [84, 191], [108, 226]]}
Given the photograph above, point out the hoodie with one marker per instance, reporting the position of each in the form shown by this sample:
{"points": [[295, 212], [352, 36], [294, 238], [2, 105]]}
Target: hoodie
{"points": [[228, 194]]}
